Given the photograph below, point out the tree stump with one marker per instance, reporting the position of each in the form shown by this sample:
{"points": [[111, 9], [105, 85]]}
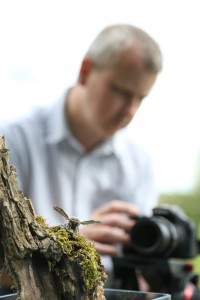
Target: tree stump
{"points": [[43, 262]]}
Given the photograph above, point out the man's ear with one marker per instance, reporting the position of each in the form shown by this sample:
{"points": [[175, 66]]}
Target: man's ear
{"points": [[86, 66]]}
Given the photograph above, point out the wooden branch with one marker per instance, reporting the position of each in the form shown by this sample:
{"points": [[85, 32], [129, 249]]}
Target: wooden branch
{"points": [[43, 262]]}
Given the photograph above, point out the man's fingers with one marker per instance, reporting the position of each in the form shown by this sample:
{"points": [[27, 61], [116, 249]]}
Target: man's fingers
{"points": [[117, 220], [117, 206], [105, 249], [105, 234]]}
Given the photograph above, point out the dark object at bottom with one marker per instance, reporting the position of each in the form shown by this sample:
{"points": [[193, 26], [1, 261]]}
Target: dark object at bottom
{"points": [[110, 294], [163, 276]]}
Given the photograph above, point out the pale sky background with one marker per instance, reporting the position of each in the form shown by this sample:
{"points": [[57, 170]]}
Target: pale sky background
{"points": [[43, 42]]}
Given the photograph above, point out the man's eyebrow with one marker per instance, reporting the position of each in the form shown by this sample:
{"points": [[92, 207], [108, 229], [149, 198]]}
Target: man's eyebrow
{"points": [[121, 89], [126, 92]]}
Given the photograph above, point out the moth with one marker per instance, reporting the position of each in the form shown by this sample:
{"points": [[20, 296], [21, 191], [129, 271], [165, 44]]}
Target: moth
{"points": [[73, 223]]}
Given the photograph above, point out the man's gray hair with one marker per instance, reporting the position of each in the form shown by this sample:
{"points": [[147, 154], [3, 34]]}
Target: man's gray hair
{"points": [[114, 39]]}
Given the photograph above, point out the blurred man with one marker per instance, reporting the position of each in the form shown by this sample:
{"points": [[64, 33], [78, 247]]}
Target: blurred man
{"points": [[76, 154]]}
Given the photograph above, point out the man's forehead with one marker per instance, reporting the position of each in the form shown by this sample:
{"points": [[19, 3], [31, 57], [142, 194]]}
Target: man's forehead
{"points": [[130, 56]]}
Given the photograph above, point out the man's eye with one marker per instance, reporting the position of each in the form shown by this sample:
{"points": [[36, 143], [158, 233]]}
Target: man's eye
{"points": [[123, 93]]}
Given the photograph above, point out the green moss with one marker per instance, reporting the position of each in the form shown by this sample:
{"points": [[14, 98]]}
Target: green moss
{"points": [[75, 245], [90, 263], [62, 238], [41, 221]]}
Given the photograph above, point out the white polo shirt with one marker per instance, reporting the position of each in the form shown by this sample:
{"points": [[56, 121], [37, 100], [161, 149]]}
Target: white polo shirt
{"points": [[54, 169]]}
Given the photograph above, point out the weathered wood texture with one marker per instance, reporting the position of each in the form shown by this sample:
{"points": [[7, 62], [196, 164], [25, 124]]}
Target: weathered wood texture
{"points": [[43, 262]]}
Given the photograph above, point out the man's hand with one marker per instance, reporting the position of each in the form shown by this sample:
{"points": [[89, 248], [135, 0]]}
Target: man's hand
{"points": [[116, 222]]}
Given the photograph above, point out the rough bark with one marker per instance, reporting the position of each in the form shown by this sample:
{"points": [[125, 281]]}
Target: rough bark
{"points": [[43, 262]]}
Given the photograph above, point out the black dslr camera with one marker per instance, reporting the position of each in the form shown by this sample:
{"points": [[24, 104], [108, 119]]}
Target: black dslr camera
{"points": [[168, 233], [159, 246]]}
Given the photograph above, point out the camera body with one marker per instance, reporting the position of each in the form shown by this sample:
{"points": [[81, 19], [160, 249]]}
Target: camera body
{"points": [[167, 233]]}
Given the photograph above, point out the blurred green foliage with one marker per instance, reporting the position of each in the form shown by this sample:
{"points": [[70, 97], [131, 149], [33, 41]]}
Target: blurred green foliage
{"points": [[190, 203]]}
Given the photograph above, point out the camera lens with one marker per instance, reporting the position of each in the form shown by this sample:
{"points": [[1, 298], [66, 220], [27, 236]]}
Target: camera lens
{"points": [[154, 236]]}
